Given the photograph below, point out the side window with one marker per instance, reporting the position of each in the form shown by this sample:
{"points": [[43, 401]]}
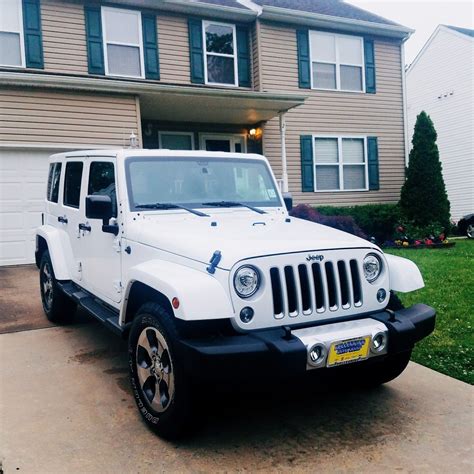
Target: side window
{"points": [[72, 184], [102, 181], [50, 180], [53, 182]]}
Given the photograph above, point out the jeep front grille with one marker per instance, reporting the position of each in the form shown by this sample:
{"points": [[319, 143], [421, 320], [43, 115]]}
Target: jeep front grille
{"points": [[318, 287]]}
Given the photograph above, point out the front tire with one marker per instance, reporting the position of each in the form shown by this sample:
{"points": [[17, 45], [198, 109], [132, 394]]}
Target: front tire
{"points": [[57, 306], [160, 386], [470, 231]]}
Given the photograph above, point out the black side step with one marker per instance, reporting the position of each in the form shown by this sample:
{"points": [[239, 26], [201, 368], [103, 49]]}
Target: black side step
{"points": [[106, 315]]}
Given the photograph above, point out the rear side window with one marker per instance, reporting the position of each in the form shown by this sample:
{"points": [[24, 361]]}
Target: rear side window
{"points": [[102, 181], [53, 182], [72, 184]]}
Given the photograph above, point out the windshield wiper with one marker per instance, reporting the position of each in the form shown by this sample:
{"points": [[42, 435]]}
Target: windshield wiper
{"points": [[168, 205], [233, 204]]}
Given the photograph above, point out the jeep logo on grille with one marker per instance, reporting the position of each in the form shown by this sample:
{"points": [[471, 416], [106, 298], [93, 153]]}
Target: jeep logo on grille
{"points": [[318, 258]]}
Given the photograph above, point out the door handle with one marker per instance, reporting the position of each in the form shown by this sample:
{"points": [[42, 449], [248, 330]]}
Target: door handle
{"points": [[85, 227], [62, 219]]}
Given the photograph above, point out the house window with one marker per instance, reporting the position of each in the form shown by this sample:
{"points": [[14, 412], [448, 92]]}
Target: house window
{"points": [[337, 62], [123, 42], [340, 163], [220, 53], [176, 140], [11, 34]]}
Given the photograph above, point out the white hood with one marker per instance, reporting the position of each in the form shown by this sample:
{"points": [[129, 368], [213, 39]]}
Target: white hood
{"points": [[237, 234]]}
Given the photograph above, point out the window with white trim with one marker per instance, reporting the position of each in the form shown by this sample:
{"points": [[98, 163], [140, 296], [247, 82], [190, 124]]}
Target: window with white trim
{"points": [[340, 163], [123, 42], [337, 62], [11, 34], [220, 53]]}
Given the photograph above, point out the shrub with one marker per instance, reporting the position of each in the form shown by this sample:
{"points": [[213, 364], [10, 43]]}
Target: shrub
{"points": [[375, 220], [424, 200], [344, 223]]}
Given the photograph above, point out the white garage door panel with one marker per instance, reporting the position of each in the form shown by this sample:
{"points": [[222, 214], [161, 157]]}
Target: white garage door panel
{"points": [[23, 177]]}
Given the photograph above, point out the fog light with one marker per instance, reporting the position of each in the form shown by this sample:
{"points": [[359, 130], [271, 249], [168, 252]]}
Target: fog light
{"points": [[246, 314], [379, 342], [381, 295], [316, 354]]}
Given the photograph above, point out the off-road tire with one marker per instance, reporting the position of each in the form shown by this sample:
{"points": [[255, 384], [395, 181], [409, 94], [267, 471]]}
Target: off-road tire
{"points": [[58, 307], [173, 418]]}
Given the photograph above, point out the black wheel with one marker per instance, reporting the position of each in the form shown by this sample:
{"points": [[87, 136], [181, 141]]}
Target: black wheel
{"points": [[160, 386], [470, 230], [382, 371], [57, 306]]}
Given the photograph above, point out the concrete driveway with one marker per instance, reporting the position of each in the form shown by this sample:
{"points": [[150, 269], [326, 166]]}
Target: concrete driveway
{"points": [[66, 406]]}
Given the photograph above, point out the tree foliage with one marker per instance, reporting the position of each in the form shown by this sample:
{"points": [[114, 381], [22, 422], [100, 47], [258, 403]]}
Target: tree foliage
{"points": [[424, 200]]}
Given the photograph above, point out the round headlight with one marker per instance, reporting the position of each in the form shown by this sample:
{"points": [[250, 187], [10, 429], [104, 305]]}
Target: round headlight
{"points": [[372, 267], [246, 281]]}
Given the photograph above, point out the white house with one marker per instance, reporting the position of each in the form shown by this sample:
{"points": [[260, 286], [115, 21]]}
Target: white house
{"points": [[440, 81]]}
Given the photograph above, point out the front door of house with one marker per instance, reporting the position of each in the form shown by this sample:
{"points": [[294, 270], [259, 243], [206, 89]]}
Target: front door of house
{"points": [[223, 142]]}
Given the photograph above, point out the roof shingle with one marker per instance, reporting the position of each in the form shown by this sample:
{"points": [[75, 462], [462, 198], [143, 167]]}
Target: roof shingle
{"points": [[337, 8], [464, 31]]}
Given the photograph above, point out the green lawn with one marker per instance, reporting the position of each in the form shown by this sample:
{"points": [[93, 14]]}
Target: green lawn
{"points": [[449, 287]]}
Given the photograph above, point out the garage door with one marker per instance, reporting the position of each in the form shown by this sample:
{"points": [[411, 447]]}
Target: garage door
{"points": [[23, 175]]}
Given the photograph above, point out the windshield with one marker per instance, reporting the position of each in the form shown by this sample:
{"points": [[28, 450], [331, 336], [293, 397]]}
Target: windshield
{"points": [[199, 182]]}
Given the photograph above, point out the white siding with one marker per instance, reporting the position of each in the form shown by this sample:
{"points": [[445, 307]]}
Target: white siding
{"points": [[441, 83]]}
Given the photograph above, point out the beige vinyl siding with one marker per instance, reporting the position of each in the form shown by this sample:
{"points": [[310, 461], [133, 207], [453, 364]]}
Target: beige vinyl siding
{"points": [[34, 117], [173, 44], [336, 113], [64, 37]]}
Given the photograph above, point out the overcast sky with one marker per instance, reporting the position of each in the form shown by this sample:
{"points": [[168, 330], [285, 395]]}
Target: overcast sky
{"points": [[422, 15]]}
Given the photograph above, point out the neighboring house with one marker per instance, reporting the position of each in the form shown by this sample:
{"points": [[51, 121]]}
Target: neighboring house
{"points": [[316, 85], [440, 81]]}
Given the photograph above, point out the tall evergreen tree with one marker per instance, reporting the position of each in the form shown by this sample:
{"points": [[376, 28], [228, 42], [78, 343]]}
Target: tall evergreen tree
{"points": [[424, 200]]}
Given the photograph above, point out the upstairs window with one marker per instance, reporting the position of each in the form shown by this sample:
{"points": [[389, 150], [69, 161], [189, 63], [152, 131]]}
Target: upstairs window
{"points": [[11, 34], [123, 43], [220, 53], [340, 164], [337, 62]]}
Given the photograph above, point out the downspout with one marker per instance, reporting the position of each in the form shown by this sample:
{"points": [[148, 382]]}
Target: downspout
{"points": [[284, 174], [404, 93]]}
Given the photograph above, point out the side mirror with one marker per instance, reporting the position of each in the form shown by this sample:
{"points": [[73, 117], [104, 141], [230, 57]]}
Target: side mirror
{"points": [[288, 200], [100, 207]]}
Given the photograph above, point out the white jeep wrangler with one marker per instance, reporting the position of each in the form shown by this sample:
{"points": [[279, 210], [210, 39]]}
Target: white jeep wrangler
{"points": [[194, 257]]}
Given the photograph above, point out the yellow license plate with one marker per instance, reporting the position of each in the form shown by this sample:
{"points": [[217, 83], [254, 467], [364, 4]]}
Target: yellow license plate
{"points": [[350, 350]]}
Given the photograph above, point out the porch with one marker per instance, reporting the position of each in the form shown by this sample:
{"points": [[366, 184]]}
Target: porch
{"points": [[190, 118]]}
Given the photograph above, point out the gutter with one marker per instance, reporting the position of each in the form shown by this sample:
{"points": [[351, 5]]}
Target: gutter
{"points": [[93, 84], [196, 8], [319, 20]]}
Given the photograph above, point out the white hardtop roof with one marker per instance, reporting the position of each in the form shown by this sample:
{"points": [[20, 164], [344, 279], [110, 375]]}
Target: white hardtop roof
{"points": [[134, 152]]}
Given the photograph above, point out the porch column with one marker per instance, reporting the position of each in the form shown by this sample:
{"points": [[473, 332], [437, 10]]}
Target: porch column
{"points": [[284, 174]]}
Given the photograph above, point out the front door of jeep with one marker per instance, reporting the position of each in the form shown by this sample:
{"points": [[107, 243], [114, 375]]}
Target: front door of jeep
{"points": [[101, 269]]}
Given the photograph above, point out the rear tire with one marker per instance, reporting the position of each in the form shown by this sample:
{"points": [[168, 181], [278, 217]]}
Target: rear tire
{"points": [[58, 307], [160, 386]]}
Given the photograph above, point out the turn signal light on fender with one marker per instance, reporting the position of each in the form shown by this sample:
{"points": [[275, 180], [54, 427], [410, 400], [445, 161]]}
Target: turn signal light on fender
{"points": [[175, 302]]}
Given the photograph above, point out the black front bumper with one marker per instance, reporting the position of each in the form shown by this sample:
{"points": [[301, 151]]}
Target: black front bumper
{"points": [[278, 351]]}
